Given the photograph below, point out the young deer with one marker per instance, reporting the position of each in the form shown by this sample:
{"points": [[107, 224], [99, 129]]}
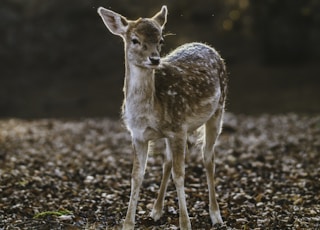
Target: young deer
{"points": [[168, 98]]}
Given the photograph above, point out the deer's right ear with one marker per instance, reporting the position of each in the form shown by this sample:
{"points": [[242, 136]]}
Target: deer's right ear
{"points": [[116, 23]]}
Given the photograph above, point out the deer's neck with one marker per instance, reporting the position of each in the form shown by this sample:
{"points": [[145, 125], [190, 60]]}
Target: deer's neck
{"points": [[139, 90], [139, 83]]}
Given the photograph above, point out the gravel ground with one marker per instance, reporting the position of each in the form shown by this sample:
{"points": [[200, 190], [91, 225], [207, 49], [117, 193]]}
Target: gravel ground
{"points": [[75, 174]]}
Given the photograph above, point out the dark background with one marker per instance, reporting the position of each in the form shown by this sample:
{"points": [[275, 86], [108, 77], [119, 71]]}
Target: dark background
{"points": [[57, 59]]}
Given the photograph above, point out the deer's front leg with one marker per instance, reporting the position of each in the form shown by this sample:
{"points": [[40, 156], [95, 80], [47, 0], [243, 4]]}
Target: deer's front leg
{"points": [[178, 146], [140, 154]]}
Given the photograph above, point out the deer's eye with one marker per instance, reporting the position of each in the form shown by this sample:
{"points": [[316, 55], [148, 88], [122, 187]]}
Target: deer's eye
{"points": [[135, 41]]}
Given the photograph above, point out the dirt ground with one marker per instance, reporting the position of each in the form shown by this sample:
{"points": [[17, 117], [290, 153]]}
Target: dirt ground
{"points": [[75, 174]]}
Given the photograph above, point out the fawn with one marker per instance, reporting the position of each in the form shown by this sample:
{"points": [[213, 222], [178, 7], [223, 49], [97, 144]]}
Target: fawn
{"points": [[168, 98]]}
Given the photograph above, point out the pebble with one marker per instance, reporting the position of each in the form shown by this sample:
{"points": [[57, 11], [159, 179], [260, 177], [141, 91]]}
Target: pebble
{"points": [[149, 206], [260, 204]]}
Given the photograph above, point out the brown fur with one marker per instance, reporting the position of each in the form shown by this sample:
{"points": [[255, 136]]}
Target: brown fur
{"points": [[168, 98]]}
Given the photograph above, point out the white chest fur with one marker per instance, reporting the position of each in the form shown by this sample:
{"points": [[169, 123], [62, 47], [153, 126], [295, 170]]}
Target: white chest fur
{"points": [[139, 114]]}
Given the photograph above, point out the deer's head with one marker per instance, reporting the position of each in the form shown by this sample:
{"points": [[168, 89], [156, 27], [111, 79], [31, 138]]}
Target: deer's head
{"points": [[143, 37]]}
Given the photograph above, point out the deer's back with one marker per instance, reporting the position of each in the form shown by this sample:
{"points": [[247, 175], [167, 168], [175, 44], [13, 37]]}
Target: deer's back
{"points": [[190, 83]]}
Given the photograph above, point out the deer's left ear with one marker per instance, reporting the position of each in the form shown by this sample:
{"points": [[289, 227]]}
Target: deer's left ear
{"points": [[161, 16], [116, 23]]}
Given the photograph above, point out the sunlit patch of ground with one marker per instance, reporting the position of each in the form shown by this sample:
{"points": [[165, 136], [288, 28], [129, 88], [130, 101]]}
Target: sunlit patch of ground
{"points": [[75, 174]]}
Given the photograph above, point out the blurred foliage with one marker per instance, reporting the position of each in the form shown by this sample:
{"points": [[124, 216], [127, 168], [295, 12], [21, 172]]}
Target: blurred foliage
{"points": [[289, 31], [45, 43], [285, 30]]}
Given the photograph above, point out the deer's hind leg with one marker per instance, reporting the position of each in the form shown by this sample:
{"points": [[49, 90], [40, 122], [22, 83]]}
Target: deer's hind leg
{"points": [[212, 131], [177, 145], [157, 210]]}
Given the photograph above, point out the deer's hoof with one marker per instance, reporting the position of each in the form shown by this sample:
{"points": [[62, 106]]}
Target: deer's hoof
{"points": [[128, 225], [156, 214], [216, 217]]}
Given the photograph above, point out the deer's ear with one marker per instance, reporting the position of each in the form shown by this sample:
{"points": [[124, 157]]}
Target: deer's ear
{"points": [[161, 16], [116, 23]]}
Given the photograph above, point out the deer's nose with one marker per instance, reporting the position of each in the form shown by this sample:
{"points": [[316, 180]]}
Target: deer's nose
{"points": [[154, 60]]}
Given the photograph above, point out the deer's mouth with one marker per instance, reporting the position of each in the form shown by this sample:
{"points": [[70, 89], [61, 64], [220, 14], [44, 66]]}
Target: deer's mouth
{"points": [[149, 64], [153, 66], [154, 61]]}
